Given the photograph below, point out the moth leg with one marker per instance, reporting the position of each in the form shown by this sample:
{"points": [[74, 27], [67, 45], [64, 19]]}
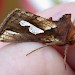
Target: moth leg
{"points": [[48, 44], [65, 54]]}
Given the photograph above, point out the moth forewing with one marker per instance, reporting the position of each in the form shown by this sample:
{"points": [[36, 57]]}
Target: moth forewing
{"points": [[13, 19], [36, 28]]}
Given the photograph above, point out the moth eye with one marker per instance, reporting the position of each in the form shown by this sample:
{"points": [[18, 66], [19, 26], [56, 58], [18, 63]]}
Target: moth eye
{"points": [[71, 42]]}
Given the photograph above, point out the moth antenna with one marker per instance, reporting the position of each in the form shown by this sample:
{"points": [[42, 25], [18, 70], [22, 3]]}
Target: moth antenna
{"points": [[65, 54], [36, 49], [48, 44]]}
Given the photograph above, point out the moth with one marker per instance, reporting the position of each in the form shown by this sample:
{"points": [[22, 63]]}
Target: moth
{"points": [[21, 26]]}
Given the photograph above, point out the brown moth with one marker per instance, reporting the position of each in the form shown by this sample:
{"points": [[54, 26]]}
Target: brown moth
{"points": [[21, 26]]}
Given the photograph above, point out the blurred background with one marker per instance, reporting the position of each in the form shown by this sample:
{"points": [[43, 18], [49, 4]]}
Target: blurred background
{"points": [[33, 6]]}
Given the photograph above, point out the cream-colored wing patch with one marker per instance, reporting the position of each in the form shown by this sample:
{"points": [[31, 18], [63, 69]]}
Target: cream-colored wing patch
{"points": [[8, 36], [33, 29]]}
